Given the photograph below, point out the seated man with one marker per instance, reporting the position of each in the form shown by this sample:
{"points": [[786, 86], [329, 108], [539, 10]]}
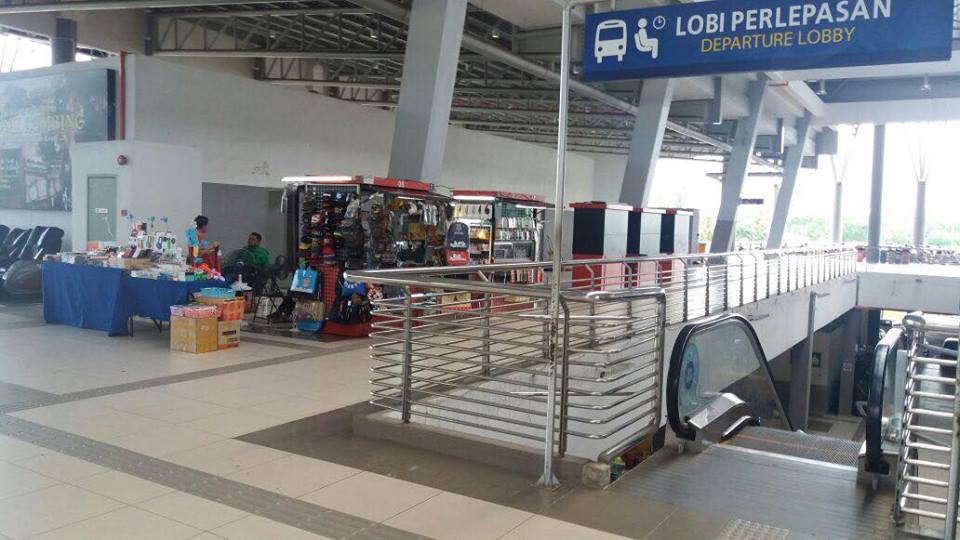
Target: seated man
{"points": [[261, 256], [250, 262]]}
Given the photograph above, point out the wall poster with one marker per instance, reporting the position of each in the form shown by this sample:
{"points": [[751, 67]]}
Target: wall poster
{"points": [[40, 117]]}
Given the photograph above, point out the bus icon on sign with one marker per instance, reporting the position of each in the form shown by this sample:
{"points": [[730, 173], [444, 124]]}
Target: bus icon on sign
{"points": [[611, 40]]}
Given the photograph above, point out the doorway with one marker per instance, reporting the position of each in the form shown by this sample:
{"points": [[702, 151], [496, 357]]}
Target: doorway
{"points": [[101, 208]]}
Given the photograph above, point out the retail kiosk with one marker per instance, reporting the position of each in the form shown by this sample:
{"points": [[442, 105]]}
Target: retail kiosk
{"points": [[359, 222]]}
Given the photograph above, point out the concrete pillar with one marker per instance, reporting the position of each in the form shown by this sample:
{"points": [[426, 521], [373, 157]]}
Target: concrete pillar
{"points": [[848, 361], [63, 44], [426, 90], [791, 168], [920, 215], [648, 127], [837, 234], [876, 194], [736, 171], [801, 368]]}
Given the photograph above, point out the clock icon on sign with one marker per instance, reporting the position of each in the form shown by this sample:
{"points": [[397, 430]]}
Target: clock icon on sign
{"points": [[659, 22]]}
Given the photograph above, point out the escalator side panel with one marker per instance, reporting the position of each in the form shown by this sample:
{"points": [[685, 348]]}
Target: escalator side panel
{"points": [[720, 355]]}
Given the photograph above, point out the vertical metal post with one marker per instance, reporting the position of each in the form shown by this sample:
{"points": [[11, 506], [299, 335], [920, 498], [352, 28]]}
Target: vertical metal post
{"points": [[726, 284], [706, 309], [406, 369], [686, 292], [953, 486], [548, 479], [564, 384], [788, 273], [742, 283], [756, 278], [485, 335]]}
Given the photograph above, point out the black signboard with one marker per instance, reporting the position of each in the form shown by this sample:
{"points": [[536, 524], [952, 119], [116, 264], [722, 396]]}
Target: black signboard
{"points": [[40, 117]]}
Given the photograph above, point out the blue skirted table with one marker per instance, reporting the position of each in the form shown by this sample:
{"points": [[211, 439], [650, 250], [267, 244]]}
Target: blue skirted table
{"points": [[107, 298]]}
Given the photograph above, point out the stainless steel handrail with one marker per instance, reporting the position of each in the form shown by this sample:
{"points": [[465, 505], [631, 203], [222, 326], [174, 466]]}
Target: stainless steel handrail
{"points": [[916, 438], [459, 347]]}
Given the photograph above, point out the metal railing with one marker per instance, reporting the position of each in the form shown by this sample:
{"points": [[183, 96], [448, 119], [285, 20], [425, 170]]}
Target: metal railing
{"points": [[928, 476], [923, 255], [471, 348]]}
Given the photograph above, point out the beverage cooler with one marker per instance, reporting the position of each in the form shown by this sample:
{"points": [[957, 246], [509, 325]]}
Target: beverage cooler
{"points": [[505, 227]]}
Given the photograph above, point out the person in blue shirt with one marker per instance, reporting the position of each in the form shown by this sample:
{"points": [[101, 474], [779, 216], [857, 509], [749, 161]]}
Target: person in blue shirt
{"points": [[207, 251]]}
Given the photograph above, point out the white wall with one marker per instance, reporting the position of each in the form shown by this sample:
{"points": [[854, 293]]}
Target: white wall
{"points": [[608, 174], [158, 180], [252, 133]]}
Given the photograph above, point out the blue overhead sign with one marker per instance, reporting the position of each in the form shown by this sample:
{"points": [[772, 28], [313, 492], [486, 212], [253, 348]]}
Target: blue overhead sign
{"points": [[764, 35]]}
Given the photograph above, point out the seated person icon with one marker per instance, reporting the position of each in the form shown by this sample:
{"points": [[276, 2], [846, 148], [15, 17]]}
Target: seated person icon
{"points": [[644, 42]]}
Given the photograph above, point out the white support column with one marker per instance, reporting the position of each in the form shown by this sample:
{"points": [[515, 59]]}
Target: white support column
{"points": [[426, 90], [876, 194], [648, 127], [736, 171], [837, 235], [920, 216], [791, 168]]}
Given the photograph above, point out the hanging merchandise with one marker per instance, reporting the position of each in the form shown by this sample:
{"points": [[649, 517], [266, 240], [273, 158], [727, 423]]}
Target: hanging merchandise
{"points": [[458, 244], [362, 222]]}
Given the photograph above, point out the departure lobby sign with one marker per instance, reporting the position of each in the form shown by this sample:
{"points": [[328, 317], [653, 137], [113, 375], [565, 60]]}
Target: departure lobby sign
{"points": [[726, 36]]}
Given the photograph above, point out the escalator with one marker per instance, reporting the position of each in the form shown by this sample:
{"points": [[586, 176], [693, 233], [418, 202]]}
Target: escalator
{"points": [[733, 451], [720, 389]]}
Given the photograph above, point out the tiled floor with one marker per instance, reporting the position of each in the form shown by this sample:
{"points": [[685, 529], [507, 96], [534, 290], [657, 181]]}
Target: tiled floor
{"points": [[180, 410]]}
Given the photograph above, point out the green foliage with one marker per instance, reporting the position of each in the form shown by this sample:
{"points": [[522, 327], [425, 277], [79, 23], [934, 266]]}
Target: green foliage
{"points": [[808, 229]]}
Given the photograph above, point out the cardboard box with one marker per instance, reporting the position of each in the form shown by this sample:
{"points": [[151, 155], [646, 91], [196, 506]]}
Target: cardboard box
{"points": [[193, 335], [228, 334]]}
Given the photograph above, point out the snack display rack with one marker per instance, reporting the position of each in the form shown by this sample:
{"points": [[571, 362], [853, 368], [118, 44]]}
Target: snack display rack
{"points": [[505, 227], [361, 222]]}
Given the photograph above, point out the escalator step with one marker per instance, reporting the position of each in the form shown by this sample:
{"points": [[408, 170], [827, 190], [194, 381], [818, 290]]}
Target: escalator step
{"points": [[796, 444]]}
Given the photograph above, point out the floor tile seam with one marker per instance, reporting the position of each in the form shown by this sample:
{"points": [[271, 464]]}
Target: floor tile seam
{"points": [[203, 477], [175, 520], [126, 505], [664, 520], [319, 489], [72, 523], [34, 490], [425, 501], [157, 382], [99, 514], [504, 535]]}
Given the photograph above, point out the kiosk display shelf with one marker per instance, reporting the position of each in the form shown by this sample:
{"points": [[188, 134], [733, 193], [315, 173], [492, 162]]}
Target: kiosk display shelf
{"points": [[505, 227], [361, 222]]}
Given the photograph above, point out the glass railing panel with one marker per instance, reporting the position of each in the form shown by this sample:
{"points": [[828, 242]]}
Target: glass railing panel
{"points": [[722, 355]]}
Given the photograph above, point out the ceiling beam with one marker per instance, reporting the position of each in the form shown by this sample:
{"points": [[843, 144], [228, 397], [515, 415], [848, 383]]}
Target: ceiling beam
{"points": [[226, 14], [126, 4], [494, 52]]}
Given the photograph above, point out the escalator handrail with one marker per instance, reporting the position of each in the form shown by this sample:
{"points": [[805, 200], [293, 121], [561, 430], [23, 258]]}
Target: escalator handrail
{"points": [[885, 352], [677, 424]]}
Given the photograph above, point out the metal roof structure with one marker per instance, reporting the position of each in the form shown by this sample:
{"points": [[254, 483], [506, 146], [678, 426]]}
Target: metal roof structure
{"points": [[507, 81]]}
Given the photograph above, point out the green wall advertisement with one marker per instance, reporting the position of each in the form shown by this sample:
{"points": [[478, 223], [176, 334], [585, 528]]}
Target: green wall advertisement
{"points": [[40, 117]]}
